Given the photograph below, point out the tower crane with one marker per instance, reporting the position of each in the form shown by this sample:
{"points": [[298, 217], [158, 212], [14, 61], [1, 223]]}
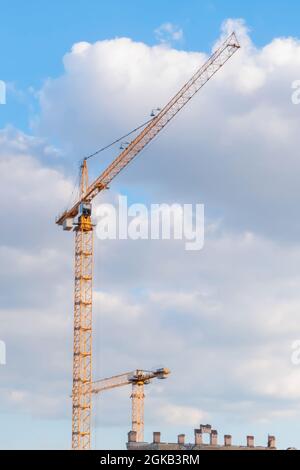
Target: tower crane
{"points": [[78, 219], [138, 379]]}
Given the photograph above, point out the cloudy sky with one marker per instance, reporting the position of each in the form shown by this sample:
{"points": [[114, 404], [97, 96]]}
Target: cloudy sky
{"points": [[223, 319]]}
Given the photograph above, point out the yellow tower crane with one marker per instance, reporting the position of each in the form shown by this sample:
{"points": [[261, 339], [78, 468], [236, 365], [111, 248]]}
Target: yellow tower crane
{"points": [[138, 379], [78, 219]]}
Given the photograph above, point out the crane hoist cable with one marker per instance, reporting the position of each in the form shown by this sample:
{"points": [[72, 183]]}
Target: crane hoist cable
{"points": [[106, 147], [118, 140]]}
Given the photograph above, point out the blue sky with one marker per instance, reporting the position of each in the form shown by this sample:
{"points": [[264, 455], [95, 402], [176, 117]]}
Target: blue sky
{"points": [[35, 35], [234, 148]]}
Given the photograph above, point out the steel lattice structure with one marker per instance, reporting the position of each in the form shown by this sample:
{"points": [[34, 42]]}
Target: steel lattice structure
{"points": [[201, 77], [82, 367], [137, 396], [82, 348], [138, 379]]}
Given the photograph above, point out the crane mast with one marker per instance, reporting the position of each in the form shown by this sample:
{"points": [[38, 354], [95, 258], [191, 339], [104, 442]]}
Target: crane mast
{"points": [[138, 411], [78, 219], [82, 347]]}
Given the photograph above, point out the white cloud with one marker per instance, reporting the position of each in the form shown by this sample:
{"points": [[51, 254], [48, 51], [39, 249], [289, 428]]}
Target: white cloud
{"points": [[239, 26], [222, 319], [167, 33], [181, 415], [190, 302], [111, 305], [241, 131]]}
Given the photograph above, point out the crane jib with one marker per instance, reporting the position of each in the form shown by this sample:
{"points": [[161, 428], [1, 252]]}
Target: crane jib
{"points": [[199, 79]]}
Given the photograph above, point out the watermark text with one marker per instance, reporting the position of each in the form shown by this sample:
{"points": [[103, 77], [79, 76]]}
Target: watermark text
{"points": [[2, 92], [157, 222], [296, 93], [2, 353], [295, 357]]}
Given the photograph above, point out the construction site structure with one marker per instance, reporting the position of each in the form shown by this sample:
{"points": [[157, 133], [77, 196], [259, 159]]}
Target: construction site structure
{"points": [[205, 429], [78, 219], [137, 379]]}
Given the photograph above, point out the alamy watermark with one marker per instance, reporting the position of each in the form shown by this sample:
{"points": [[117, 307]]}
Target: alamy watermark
{"points": [[296, 93], [2, 353], [295, 356], [157, 222], [2, 92]]}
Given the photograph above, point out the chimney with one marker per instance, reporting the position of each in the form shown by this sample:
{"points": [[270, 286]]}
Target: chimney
{"points": [[214, 438], [198, 437], [205, 428], [271, 442], [250, 441], [227, 440], [181, 439], [132, 436], [156, 438]]}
